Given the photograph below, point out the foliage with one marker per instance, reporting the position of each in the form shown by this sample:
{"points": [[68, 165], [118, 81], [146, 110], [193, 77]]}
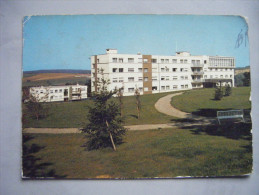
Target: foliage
{"points": [[138, 101], [239, 80], [218, 93], [246, 79], [88, 84], [228, 90], [105, 123]]}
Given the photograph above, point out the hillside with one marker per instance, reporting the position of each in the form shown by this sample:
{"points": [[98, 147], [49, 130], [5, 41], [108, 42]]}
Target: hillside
{"points": [[72, 71]]}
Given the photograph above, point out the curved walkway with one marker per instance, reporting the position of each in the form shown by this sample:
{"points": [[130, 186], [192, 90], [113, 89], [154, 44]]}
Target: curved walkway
{"points": [[164, 106]]}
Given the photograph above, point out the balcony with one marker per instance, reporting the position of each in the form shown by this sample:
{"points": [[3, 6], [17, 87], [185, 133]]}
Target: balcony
{"points": [[197, 80], [197, 73], [197, 65]]}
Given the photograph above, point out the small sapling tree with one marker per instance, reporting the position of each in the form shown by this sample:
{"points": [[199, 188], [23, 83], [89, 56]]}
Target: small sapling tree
{"points": [[120, 98], [138, 101], [218, 93], [228, 90], [105, 123], [34, 102]]}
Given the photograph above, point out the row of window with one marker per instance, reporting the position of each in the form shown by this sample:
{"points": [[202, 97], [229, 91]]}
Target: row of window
{"points": [[153, 60], [216, 76], [163, 88]]}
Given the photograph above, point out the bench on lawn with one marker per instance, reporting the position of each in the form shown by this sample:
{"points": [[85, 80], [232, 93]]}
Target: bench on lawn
{"points": [[230, 114]]}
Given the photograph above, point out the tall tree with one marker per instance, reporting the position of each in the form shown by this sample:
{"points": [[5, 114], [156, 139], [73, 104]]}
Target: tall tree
{"points": [[105, 123], [138, 101], [34, 103], [228, 90]]}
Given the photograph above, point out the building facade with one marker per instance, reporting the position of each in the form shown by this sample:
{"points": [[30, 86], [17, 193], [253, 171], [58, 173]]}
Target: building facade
{"points": [[59, 93], [156, 74]]}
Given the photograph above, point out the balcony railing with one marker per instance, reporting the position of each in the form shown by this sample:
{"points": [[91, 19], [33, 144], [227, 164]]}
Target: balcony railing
{"points": [[197, 72], [197, 80], [197, 65]]}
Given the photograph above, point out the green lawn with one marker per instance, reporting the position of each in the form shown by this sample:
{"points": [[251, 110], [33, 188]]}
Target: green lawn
{"points": [[201, 102], [195, 151], [74, 114]]}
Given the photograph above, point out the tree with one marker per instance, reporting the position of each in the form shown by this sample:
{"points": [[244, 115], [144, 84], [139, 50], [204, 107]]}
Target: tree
{"points": [[228, 90], [218, 93], [88, 84], [138, 101], [246, 79], [105, 123], [34, 103], [120, 98]]}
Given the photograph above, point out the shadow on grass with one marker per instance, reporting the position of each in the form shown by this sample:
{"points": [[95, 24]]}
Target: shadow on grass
{"points": [[229, 129], [213, 112], [133, 116], [32, 168]]}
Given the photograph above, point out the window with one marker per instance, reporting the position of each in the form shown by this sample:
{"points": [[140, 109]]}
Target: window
{"points": [[181, 69], [60, 91], [174, 69], [205, 76], [186, 77], [145, 60], [121, 79], [162, 87], [145, 70], [154, 78], [162, 60], [131, 79], [186, 70], [140, 79], [167, 87], [167, 69], [181, 61], [162, 78], [130, 69], [162, 70], [120, 69], [167, 78], [51, 91], [154, 60], [154, 88], [174, 61], [131, 60], [140, 70], [175, 86], [114, 59], [55, 91], [198, 62], [182, 77], [205, 61], [182, 86], [185, 61], [193, 62], [145, 78], [221, 76], [115, 80], [146, 89], [130, 89], [97, 60], [226, 76], [166, 60], [139, 60], [174, 77], [114, 70], [211, 76], [140, 89], [231, 76], [186, 86]]}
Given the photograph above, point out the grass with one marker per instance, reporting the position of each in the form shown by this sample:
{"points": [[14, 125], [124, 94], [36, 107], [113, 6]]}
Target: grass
{"points": [[153, 153], [201, 102], [74, 114]]}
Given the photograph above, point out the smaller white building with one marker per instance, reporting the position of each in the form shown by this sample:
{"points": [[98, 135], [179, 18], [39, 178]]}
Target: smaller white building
{"points": [[59, 93]]}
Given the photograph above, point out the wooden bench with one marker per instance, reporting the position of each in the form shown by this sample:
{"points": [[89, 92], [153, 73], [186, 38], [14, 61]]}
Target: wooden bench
{"points": [[230, 114]]}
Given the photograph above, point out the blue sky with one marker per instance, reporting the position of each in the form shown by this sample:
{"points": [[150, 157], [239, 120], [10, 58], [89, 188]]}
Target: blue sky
{"points": [[67, 42]]}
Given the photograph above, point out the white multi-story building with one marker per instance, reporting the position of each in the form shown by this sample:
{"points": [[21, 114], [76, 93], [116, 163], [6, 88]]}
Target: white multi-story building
{"points": [[59, 93], [156, 74]]}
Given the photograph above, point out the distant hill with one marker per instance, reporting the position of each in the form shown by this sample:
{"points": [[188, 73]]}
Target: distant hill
{"points": [[242, 70], [72, 71]]}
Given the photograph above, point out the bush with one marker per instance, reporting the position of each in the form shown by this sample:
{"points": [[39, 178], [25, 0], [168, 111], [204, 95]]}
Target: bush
{"points": [[228, 90], [218, 94]]}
